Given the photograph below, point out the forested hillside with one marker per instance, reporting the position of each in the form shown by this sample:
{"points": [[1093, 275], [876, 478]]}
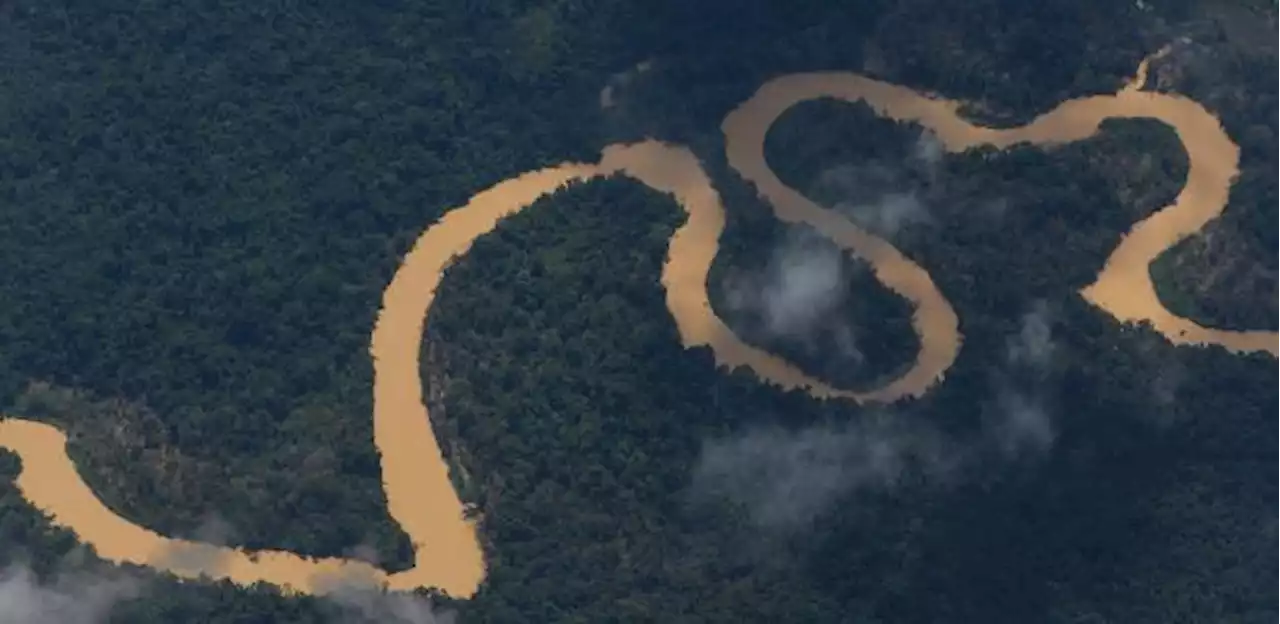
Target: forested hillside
{"points": [[201, 203]]}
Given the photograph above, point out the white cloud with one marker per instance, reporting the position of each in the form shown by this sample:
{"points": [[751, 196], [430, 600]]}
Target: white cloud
{"points": [[1020, 424], [70, 598], [363, 604], [1033, 345], [785, 479], [798, 293]]}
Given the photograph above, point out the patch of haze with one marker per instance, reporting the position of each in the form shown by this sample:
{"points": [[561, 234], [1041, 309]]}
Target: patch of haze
{"points": [[620, 81], [216, 530], [1033, 345], [877, 197], [929, 150], [202, 552], [1020, 423], [362, 603], [889, 215], [69, 598], [73, 596], [785, 479], [364, 552], [802, 285], [798, 294]]}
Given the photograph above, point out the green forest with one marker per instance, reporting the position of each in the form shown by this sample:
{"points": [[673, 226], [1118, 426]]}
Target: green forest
{"points": [[201, 203]]}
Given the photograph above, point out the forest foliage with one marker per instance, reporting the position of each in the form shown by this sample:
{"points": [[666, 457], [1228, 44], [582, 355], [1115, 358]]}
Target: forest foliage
{"points": [[202, 203]]}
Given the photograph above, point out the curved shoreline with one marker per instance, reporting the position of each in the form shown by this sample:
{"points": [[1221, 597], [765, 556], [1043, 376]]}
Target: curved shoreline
{"points": [[420, 495]]}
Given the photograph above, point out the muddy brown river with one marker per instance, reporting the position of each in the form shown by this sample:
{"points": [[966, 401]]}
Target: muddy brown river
{"points": [[420, 495]]}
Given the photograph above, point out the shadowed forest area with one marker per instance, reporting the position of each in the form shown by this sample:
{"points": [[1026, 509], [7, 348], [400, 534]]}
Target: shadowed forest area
{"points": [[201, 203]]}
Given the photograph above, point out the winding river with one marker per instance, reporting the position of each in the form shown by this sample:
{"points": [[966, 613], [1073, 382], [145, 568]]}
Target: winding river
{"points": [[419, 493]]}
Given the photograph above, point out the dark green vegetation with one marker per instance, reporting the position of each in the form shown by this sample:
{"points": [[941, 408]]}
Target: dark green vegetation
{"points": [[884, 343], [1234, 261], [202, 204], [603, 418]]}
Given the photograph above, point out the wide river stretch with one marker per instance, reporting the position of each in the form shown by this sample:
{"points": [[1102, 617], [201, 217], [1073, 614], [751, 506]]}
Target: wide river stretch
{"points": [[420, 495]]}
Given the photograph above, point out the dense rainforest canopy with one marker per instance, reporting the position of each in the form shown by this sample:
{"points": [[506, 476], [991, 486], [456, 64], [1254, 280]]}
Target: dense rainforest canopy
{"points": [[200, 204]]}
